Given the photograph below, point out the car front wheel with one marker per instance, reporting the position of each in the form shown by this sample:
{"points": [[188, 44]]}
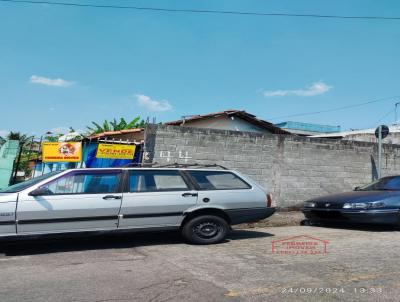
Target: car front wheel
{"points": [[207, 229]]}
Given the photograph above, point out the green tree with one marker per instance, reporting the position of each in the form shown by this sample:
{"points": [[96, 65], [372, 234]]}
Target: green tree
{"points": [[115, 125], [50, 137], [26, 143], [18, 136]]}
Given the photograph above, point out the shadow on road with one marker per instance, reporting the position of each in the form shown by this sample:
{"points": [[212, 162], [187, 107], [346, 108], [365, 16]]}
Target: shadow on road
{"points": [[105, 241], [247, 234]]}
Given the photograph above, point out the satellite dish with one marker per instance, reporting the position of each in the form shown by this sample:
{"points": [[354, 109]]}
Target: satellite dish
{"points": [[384, 131]]}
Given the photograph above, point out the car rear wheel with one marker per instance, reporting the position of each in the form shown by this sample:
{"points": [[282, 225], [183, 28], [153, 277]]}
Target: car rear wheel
{"points": [[308, 222], [207, 229]]}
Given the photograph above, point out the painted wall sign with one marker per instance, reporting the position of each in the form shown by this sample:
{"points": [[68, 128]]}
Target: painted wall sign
{"points": [[170, 155], [115, 151], [61, 152]]}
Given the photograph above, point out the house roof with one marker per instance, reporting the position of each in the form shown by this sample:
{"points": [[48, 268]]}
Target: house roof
{"points": [[236, 113], [318, 128]]}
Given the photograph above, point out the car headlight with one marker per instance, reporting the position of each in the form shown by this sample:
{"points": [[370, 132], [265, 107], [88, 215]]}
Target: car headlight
{"points": [[377, 204], [361, 205], [364, 205], [310, 204], [356, 205]]}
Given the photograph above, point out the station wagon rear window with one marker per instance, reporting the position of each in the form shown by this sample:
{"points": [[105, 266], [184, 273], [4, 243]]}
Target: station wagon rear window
{"points": [[218, 180], [152, 181]]}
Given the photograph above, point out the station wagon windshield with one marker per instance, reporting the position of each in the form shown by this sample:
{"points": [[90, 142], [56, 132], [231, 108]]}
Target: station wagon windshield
{"points": [[385, 183], [26, 184]]}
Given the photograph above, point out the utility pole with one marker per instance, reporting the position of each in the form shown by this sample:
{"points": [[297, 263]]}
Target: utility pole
{"points": [[379, 151], [395, 112], [380, 133]]}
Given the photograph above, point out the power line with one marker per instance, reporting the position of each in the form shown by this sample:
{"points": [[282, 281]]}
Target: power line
{"points": [[383, 116], [200, 11], [334, 109]]}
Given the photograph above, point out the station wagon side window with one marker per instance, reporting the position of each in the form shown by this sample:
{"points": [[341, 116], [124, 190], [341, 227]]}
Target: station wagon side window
{"points": [[156, 180], [218, 180], [84, 183]]}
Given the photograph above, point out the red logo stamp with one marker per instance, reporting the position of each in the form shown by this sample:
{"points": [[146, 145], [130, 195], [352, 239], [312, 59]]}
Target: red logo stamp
{"points": [[300, 245]]}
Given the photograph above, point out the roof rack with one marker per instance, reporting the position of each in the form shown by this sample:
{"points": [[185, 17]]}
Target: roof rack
{"points": [[140, 164], [177, 165], [174, 165]]}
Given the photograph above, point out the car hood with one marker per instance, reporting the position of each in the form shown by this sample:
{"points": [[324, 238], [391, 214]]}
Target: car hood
{"points": [[7, 197], [357, 196]]}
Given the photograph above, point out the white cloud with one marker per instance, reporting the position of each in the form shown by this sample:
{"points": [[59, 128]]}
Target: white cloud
{"points": [[50, 82], [316, 88], [152, 105], [276, 93], [4, 133]]}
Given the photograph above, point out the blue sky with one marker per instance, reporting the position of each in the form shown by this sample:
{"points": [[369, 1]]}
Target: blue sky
{"points": [[65, 66]]}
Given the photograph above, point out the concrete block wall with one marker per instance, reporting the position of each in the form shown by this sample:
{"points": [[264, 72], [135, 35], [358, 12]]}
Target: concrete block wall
{"points": [[292, 168]]}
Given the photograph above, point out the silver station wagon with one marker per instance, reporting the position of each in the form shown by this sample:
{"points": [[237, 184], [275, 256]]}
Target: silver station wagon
{"points": [[200, 202]]}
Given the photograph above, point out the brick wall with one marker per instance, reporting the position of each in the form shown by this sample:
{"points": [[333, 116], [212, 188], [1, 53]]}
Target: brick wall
{"points": [[293, 168]]}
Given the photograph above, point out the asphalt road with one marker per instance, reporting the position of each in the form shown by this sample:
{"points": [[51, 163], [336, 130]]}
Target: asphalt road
{"points": [[360, 265]]}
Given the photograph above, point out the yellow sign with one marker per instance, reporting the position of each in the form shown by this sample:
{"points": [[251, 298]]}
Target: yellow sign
{"points": [[62, 152], [115, 151]]}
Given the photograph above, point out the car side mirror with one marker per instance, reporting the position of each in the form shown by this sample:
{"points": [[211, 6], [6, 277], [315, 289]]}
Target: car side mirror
{"points": [[356, 188], [39, 192]]}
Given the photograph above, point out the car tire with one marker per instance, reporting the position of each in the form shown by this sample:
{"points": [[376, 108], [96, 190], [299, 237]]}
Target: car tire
{"points": [[308, 222], [207, 229], [305, 222]]}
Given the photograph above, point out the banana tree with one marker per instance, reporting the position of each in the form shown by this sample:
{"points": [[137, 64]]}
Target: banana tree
{"points": [[115, 125]]}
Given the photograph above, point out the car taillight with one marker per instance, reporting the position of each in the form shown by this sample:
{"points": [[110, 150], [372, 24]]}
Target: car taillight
{"points": [[269, 200]]}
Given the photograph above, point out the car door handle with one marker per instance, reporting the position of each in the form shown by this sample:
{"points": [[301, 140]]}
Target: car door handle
{"points": [[189, 194], [112, 197]]}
